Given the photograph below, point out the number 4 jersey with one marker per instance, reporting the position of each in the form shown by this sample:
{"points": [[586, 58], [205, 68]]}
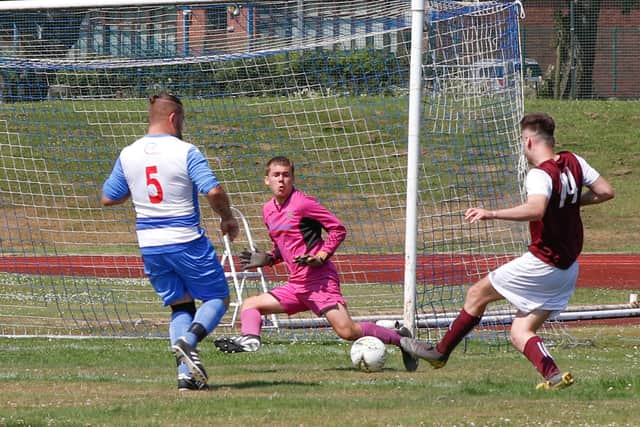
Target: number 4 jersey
{"points": [[557, 238], [164, 175]]}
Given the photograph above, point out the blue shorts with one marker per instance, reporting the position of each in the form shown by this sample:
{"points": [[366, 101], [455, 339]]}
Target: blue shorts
{"points": [[194, 271]]}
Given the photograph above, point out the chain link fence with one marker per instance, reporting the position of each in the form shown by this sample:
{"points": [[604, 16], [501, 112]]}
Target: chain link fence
{"points": [[585, 49]]}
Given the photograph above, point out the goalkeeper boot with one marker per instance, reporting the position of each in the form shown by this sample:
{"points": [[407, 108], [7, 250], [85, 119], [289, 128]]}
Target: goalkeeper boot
{"points": [[186, 353], [245, 343], [186, 383], [424, 350], [557, 382], [410, 362]]}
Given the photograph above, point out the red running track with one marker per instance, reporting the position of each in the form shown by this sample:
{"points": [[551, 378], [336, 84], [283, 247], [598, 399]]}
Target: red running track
{"points": [[620, 271]]}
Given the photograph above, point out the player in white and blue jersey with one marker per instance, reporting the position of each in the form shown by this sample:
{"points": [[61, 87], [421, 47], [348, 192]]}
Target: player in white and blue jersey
{"points": [[163, 176]]}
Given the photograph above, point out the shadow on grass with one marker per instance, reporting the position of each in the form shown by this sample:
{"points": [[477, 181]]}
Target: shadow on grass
{"points": [[255, 384], [352, 369]]}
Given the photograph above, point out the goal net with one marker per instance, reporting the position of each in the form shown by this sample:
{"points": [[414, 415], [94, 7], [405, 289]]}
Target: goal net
{"points": [[322, 82]]}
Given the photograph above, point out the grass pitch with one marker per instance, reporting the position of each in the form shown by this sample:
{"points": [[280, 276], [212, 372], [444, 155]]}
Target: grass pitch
{"points": [[132, 383]]}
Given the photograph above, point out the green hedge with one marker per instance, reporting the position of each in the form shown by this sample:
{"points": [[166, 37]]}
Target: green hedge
{"points": [[354, 72]]}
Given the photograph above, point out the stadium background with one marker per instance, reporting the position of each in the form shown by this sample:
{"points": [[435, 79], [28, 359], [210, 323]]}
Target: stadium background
{"points": [[585, 50]]}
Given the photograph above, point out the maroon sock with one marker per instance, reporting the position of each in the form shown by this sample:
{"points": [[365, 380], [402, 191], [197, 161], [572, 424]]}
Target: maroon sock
{"points": [[386, 335], [538, 354], [461, 326]]}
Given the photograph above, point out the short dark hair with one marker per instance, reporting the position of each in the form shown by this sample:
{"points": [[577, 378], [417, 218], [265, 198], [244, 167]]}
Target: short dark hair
{"points": [[280, 160], [540, 123], [164, 96], [163, 104]]}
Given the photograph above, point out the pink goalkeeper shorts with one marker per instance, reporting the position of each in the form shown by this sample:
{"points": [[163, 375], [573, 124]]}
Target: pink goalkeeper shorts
{"points": [[318, 297]]}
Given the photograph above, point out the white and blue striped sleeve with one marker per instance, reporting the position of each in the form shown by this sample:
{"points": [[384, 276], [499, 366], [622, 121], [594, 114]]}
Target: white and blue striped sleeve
{"points": [[200, 172], [116, 187]]}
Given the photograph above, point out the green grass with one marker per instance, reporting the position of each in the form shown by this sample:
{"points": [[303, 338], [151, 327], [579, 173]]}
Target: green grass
{"points": [[595, 296], [239, 136], [607, 134], [120, 382], [132, 382], [136, 310]]}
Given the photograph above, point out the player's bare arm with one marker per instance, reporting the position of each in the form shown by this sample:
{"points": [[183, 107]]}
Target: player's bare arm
{"points": [[532, 210], [600, 191], [109, 202], [219, 202]]}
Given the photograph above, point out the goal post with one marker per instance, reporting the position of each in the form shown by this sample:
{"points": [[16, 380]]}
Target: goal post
{"points": [[413, 156], [347, 89], [470, 156]]}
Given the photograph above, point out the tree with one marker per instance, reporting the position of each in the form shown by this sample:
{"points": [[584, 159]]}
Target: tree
{"points": [[586, 14], [581, 51], [46, 33], [39, 34]]}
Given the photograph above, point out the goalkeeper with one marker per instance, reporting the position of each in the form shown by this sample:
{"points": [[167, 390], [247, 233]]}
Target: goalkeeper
{"points": [[295, 222], [163, 175]]}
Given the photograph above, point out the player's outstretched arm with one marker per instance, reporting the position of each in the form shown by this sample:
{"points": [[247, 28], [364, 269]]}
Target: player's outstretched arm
{"points": [[532, 210], [600, 191]]}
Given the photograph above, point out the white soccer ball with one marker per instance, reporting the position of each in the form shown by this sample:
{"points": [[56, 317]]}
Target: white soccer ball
{"points": [[368, 354]]}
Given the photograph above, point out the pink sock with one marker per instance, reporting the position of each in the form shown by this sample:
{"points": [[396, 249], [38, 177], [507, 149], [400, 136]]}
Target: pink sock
{"points": [[251, 320], [538, 354], [386, 335]]}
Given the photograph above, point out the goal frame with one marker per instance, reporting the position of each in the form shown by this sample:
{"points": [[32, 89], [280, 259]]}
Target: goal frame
{"points": [[413, 124]]}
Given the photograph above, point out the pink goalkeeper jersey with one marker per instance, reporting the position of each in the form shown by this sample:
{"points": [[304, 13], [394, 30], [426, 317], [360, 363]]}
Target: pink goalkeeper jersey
{"points": [[295, 228]]}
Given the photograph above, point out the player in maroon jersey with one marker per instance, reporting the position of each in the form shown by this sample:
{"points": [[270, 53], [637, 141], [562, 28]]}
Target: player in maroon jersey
{"points": [[295, 222], [540, 282]]}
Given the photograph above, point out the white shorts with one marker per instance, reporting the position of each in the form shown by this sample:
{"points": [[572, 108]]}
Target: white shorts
{"points": [[531, 284]]}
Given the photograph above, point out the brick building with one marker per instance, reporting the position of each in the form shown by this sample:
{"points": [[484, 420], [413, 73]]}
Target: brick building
{"points": [[617, 60]]}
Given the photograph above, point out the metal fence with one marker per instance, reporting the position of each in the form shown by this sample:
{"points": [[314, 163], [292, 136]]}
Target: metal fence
{"points": [[584, 51]]}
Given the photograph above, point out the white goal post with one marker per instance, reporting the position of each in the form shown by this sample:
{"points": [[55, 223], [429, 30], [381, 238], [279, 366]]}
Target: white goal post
{"points": [[398, 115], [413, 156]]}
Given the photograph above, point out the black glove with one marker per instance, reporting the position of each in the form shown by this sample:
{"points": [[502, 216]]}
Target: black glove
{"points": [[310, 260], [255, 259]]}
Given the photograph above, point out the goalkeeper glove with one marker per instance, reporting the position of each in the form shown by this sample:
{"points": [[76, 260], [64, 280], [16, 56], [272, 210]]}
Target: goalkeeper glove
{"points": [[255, 259], [310, 260]]}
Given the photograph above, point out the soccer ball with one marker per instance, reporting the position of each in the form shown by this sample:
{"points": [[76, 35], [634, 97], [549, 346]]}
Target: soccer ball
{"points": [[368, 354]]}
